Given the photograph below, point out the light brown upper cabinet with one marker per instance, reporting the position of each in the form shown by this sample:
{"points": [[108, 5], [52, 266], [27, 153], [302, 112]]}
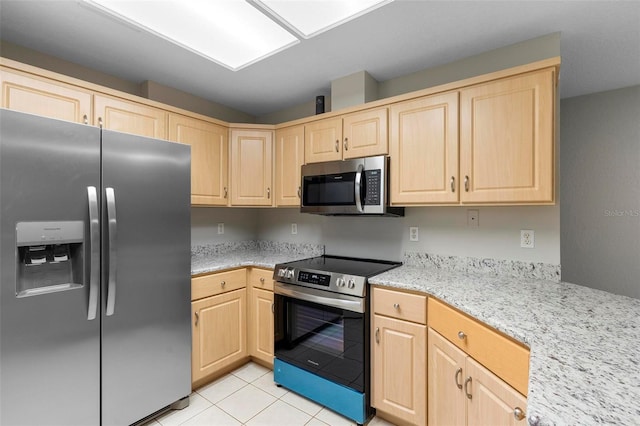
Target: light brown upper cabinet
{"points": [[130, 117], [209, 158], [507, 140], [251, 167], [359, 134], [424, 150], [289, 160], [48, 98]]}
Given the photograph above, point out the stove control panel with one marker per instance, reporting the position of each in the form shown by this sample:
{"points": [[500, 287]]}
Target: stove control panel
{"points": [[332, 281]]}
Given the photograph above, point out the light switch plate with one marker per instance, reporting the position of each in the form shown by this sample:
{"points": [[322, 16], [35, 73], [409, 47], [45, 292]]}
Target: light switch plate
{"points": [[294, 228], [221, 228]]}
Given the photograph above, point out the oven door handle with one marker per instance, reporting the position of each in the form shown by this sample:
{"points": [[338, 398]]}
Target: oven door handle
{"points": [[310, 295]]}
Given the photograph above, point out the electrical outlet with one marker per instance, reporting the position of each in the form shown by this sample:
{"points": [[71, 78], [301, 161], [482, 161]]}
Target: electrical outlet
{"points": [[413, 233], [527, 238], [221, 228], [473, 217], [294, 228]]}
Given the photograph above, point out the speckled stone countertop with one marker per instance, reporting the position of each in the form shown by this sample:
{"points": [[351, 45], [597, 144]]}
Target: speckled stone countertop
{"points": [[265, 254], [585, 357]]}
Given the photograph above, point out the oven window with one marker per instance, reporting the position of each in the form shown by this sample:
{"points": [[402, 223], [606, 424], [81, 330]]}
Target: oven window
{"points": [[318, 329], [327, 341]]}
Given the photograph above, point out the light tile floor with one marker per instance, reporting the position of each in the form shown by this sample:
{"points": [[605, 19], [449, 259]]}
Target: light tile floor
{"points": [[248, 396]]}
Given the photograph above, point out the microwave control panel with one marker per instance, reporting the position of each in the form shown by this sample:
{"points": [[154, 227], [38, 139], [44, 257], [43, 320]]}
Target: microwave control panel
{"points": [[373, 187]]}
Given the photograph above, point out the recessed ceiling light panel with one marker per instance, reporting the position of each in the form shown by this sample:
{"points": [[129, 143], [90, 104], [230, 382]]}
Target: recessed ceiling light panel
{"points": [[232, 33], [312, 17]]}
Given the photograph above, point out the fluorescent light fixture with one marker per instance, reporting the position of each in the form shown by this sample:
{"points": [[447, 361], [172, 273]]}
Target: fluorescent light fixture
{"points": [[231, 33], [312, 17]]}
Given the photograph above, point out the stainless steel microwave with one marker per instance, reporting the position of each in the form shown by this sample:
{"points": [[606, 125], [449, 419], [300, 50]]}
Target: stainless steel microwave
{"points": [[358, 186]]}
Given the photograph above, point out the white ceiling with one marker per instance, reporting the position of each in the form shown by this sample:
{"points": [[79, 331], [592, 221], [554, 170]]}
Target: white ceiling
{"points": [[600, 46]]}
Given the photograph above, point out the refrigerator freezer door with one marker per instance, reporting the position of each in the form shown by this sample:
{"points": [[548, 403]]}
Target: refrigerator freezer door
{"points": [[49, 350], [146, 328]]}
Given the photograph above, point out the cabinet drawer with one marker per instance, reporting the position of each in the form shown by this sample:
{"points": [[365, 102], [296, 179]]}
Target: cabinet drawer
{"points": [[401, 305], [503, 356], [210, 285], [261, 278]]}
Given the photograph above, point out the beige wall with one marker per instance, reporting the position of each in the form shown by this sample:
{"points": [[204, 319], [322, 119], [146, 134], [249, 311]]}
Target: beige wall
{"points": [[355, 89], [600, 189], [306, 109]]}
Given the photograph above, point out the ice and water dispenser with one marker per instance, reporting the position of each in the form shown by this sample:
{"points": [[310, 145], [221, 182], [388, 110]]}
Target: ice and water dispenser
{"points": [[49, 257]]}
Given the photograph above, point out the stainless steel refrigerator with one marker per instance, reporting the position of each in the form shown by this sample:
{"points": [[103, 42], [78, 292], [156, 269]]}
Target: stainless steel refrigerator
{"points": [[95, 274]]}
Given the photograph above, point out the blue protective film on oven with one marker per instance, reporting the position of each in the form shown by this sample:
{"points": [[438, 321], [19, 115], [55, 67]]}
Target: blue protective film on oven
{"points": [[338, 398]]}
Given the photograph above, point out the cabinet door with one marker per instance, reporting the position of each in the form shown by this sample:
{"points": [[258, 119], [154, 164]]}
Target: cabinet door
{"points": [[323, 140], [260, 332], [399, 369], [130, 117], [289, 160], [251, 167], [48, 98], [507, 140], [365, 134], [219, 336], [446, 374], [493, 402], [209, 157], [424, 150]]}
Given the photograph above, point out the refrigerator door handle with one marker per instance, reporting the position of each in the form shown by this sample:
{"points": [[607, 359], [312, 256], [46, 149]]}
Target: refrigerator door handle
{"points": [[112, 229], [94, 249]]}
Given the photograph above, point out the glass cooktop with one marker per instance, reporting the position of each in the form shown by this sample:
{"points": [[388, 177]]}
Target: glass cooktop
{"points": [[344, 265]]}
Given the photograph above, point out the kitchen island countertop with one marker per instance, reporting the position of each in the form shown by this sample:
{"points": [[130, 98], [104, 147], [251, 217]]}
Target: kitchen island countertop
{"points": [[584, 362]]}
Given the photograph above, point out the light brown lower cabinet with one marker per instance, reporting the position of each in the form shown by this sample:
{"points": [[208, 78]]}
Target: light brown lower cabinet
{"points": [[260, 314], [219, 333], [399, 360], [463, 392]]}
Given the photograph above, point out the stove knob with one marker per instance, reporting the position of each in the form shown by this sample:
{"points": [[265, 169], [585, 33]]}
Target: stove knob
{"points": [[289, 273], [352, 283], [340, 282], [281, 272]]}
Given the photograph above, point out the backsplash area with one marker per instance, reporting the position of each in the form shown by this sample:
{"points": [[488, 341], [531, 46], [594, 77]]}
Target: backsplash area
{"points": [[513, 268], [444, 235]]}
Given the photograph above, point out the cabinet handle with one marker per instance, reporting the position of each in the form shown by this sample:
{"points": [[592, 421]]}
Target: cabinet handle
{"points": [[346, 144], [262, 280], [337, 145], [226, 192], [100, 122], [299, 192], [223, 283], [518, 413], [197, 318], [396, 306], [453, 184], [466, 184], [268, 193], [377, 334], [461, 335], [466, 389], [273, 308], [85, 119], [458, 373]]}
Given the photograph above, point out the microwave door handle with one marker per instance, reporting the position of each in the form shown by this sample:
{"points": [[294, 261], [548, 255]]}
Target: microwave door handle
{"points": [[357, 188]]}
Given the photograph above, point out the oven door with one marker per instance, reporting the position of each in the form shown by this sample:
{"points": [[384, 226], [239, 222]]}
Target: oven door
{"points": [[329, 341]]}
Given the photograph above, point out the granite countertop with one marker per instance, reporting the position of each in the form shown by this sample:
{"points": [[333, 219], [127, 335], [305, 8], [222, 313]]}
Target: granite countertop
{"points": [[585, 359], [584, 364]]}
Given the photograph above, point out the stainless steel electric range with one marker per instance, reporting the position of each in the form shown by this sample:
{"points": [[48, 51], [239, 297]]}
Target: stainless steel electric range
{"points": [[322, 331]]}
